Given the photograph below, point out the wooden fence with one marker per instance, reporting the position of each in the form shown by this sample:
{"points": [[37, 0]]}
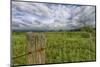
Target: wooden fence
{"points": [[36, 46]]}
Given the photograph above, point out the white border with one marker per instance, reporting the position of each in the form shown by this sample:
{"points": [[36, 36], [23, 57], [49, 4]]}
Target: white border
{"points": [[89, 2], [5, 33]]}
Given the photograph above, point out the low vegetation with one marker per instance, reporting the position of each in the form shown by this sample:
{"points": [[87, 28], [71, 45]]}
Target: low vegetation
{"points": [[71, 46]]}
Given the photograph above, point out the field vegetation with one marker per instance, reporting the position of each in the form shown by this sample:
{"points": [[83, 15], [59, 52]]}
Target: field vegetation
{"points": [[71, 46]]}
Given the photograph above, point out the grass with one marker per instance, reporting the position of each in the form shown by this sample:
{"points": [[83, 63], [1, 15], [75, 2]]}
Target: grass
{"points": [[61, 47]]}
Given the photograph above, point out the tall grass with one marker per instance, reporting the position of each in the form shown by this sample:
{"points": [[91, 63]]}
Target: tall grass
{"points": [[61, 47]]}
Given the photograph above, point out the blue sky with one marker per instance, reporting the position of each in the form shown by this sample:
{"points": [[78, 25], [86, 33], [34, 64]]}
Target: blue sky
{"points": [[46, 16]]}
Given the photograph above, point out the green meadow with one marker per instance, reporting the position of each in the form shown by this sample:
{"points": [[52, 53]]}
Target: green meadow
{"points": [[70, 46]]}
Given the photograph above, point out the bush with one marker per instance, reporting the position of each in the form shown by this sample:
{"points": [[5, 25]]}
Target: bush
{"points": [[87, 29]]}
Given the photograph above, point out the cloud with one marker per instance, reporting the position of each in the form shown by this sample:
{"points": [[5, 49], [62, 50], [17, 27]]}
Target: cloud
{"points": [[45, 16]]}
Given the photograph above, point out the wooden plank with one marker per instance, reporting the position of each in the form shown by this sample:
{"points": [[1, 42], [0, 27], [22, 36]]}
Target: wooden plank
{"points": [[36, 48]]}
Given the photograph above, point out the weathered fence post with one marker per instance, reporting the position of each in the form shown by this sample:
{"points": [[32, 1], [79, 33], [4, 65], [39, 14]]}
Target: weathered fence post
{"points": [[35, 48]]}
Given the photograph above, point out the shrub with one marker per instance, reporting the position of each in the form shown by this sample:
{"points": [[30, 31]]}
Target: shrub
{"points": [[87, 29]]}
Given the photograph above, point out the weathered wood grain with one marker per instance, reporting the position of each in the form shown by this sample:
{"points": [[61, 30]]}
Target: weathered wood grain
{"points": [[36, 48]]}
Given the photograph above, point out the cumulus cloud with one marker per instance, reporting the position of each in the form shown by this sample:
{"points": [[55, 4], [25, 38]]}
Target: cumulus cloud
{"points": [[48, 16]]}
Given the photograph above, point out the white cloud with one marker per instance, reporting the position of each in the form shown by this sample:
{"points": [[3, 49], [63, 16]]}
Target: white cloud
{"points": [[45, 16]]}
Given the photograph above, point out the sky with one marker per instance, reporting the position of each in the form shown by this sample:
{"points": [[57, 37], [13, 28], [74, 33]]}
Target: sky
{"points": [[31, 16]]}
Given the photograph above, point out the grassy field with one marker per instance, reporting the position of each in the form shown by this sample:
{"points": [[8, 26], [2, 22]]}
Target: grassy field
{"points": [[61, 47]]}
